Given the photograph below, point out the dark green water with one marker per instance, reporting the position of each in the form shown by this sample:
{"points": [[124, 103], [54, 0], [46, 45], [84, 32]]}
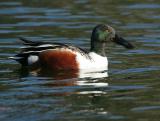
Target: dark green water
{"points": [[133, 91]]}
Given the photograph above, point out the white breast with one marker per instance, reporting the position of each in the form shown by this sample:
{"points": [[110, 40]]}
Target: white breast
{"points": [[96, 63]]}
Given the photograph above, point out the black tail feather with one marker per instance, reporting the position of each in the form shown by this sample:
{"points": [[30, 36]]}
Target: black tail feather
{"points": [[29, 42], [22, 58]]}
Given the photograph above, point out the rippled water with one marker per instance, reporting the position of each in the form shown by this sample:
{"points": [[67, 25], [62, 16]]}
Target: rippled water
{"points": [[131, 92]]}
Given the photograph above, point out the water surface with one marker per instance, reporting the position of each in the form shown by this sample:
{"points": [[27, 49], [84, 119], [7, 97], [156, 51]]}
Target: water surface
{"points": [[131, 92]]}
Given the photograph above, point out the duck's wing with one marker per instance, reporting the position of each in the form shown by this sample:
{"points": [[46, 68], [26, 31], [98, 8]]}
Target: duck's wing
{"points": [[33, 48], [37, 46]]}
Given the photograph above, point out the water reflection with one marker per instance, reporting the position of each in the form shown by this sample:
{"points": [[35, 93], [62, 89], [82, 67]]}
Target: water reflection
{"points": [[77, 81], [63, 74]]}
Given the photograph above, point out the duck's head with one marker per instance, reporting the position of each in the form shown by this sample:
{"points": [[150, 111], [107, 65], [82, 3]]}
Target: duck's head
{"points": [[103, 34]]}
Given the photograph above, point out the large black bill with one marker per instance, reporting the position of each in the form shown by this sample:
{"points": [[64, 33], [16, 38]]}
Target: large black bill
{"points": [[123, 42]]}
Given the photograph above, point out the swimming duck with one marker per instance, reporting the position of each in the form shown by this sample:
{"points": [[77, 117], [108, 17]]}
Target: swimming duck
{"points": [[58, 56]]}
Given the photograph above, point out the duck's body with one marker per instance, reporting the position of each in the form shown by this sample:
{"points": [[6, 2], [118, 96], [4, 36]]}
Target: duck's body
{"points": [[57, 56]]}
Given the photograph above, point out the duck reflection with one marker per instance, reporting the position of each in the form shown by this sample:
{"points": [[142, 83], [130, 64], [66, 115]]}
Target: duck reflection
{"points": [[63, 74], [69, 82]]}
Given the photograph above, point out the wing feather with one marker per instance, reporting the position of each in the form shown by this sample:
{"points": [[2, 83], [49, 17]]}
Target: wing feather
{"points": [[35, 47]]}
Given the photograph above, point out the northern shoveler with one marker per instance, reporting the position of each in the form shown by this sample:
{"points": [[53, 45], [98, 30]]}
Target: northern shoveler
{"points": [[59, 56]]}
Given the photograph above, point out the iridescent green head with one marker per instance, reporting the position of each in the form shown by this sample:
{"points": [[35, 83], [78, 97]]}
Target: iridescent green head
{"points": [[103, 34]]}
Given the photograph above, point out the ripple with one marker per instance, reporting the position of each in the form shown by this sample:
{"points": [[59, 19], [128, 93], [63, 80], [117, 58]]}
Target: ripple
{"points": [[141, 52], [10, 3], [139, 70], [144, 6], [20, 10], [92, 92], [12, 31], [142, 26], [83, 83], [128, 87], [145, 108]]}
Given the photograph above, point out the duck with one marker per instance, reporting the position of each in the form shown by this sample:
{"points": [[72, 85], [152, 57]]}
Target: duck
{"points": [[60, 56]]}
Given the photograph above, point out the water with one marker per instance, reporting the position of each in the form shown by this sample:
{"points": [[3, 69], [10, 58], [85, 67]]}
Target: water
{"points": [[131, 92]]}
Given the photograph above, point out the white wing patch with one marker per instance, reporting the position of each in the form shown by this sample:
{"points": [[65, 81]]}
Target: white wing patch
{"points": [[32, 59], [45, 45]]}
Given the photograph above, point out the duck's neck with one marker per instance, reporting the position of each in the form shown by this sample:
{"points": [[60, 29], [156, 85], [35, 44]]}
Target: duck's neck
{"points": [[99, 48]]}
